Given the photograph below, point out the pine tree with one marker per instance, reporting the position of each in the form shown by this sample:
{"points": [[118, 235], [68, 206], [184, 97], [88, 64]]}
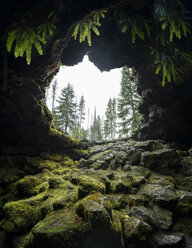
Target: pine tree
{"points": [[65, 111], [81, 113], [54, 88], [110, 121], [128, 103]]}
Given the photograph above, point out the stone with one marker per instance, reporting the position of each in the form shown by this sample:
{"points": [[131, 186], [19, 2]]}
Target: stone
{"points": [[184, 206], [99, 165], [164, 196], [20, 216], [113, 165], [162, 240], [142, 213], [133, 157], [111, 175], [62, 229], [162, 218], [161, 158], [186, 164], [136, 229], [96, 209]]}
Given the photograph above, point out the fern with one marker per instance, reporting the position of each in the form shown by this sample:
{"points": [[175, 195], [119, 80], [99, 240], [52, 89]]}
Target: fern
{"points": [[26, 37], [84, 27], [166, 64], [138, 25], [172, 16]]}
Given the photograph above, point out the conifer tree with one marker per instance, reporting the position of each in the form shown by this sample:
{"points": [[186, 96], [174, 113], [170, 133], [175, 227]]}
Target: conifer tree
{"points": [[129, 117], [54, 88], [81, 112], [65, 111], [110, 121]]}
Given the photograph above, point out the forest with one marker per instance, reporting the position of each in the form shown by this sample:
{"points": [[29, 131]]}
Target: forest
{"points": [[121, 118]]}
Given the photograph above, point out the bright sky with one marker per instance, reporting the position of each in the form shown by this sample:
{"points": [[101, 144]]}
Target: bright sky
{"points": [[87, 80]]}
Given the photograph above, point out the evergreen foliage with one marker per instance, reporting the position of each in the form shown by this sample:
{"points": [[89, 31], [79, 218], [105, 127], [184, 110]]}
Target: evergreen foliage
{"points": [[84, 27], [26, 37], [65, 111], [96, 132], [129, 117], [110, 121]]}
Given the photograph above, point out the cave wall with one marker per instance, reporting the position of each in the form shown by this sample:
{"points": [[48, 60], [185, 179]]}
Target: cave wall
{"points": [[25, 122]]}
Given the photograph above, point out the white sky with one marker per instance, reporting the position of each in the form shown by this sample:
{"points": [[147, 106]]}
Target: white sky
{"points": [[87, 80]]}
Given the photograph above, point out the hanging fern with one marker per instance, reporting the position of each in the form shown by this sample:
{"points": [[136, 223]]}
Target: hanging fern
{"points": [[171, 15], [84, 27], [26, 37], [138, 25], [167, 65]]}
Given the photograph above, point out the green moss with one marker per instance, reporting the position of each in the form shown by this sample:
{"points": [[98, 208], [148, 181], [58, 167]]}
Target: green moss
{"points": [[60, 227], [96, 197], [20, 216], [23, 241], [67, 161], [27, 185], [116, 226], [88, 185]]}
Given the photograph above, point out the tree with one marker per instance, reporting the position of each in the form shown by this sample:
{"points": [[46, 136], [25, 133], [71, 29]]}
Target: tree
{"points": [[81, 112], [54, 88], [110, 121], [65, 111], [128, 103]]}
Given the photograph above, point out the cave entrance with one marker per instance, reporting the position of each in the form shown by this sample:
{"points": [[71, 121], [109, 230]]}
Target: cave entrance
{"points": [[89, 104]]}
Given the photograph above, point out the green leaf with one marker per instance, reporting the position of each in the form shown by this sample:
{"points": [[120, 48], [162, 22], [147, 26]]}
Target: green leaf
{"points": [[75, 32], [38, 47], [96, 31], [158, 68], [164, 25], [124, 28]]}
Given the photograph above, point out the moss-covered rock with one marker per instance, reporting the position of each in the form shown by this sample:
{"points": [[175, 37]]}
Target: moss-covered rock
{"points": [[87, 185], [163, 240], [164, 196], [136, 230], [20, 216], [61, 229], [184, 206], [142, 213], [27, 185], [162, 218], [160, 159]]}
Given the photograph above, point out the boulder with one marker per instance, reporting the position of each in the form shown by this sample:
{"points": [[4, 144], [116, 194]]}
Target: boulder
{"points": [[162, 218], [164, 196], [186, 166], [162, 240], [184, 206], [160, 159], [135, 229], [61, 229]]}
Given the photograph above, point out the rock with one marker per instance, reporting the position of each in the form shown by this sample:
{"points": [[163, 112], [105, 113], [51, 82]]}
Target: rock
{"points": [[184, 206], [142, 213], [23, 241], [186, 164], [20, 216], [162, 218], [127, 167], [111, 175], [61, 229], [99, 165], [117, 229], [129, 183], [164, 196], [162, 240], [87, 185], [190, 151], [55, 182], [84, 163], [136, 229], [160, 159], [113, 165], [96, 209], [26, 186], [120, 158], [133, 157], [136, 200]]}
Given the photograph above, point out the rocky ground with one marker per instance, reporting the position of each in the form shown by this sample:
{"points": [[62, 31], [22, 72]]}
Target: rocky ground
{"points": [[121, 194]]}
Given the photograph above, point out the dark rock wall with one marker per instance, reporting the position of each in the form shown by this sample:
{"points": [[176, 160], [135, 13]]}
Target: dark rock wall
{"points": [[25, 122]]}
